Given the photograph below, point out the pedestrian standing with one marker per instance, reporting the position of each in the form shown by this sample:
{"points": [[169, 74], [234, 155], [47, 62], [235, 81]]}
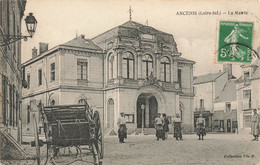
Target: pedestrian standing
{"points": [[158, 124], [122, 130], [255, 125], [177, 127], [200, 124], [165, 125]]}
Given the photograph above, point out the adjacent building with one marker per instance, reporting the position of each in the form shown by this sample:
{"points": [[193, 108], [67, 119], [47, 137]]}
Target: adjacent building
{"points": [[215, 98], [132, 68], [69, 73], [11, 14], [248, 94]]}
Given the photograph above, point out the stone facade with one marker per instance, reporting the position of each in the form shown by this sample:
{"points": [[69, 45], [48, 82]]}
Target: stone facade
{"points": [[11, 14], [143, 67], [248, 94], [133, 66]]}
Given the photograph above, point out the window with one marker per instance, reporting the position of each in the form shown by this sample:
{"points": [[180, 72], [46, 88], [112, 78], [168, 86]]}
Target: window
{"points": [[82, 102], [82, 69], [246, 78], [14, 33], [128, 65], [39, 76], [246, 75], [4, 98], [179, 77], [111, 67], [28, 81], [10, 104], [147, 65], [28, 114], [228, 107], [201, 103], [247, 99], [53, 71], [52, 102], [165, 69]]}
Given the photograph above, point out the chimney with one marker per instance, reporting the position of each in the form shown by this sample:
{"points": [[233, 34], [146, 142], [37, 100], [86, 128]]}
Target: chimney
{"points": [[34, 52], [43, 47], [228, 68], [82, 36]]}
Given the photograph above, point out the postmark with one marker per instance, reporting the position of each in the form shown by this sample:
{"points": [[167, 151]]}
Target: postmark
{"points": [[235, 41]]}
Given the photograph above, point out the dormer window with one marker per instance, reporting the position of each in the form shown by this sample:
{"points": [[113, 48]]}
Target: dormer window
{"points": [[246, 75]]}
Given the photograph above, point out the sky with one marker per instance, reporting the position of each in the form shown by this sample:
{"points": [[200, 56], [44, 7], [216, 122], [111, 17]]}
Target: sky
{"points": [[196, 35]]}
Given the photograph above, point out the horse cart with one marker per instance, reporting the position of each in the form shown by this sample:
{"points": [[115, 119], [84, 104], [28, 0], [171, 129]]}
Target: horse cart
{"points": [[73, 127]]}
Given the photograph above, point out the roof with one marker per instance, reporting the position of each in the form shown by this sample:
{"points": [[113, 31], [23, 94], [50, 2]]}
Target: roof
{"points": [[81, 42], [256, 69], [184, 59], [132, 29], [207, 78], [228, 93]]}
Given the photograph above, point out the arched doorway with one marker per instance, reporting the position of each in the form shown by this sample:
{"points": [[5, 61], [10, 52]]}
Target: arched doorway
{"points": [[110, 113], [147, 109]]}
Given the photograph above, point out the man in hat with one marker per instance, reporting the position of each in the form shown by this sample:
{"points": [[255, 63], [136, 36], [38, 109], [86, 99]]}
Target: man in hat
{"points": [[177, 127], [158, 124], [122, 130], [255, 125], [201, 123]]}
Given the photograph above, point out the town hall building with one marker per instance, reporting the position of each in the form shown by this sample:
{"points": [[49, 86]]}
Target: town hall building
{"points": [[132, 68]]}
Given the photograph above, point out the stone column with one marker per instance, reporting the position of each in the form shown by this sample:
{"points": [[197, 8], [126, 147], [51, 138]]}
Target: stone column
{"points": [[146, 113], [157, 73], [177, 102], [174, 71], [115, 67], [119, 64], [139, 63]]}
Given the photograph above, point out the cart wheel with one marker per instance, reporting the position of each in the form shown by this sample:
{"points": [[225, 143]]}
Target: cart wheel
{"points": [[98, 143], [36, 138]]}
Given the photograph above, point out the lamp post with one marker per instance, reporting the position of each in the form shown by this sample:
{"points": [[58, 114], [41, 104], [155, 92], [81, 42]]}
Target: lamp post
{"points": [[31, 24], [142, 108]]}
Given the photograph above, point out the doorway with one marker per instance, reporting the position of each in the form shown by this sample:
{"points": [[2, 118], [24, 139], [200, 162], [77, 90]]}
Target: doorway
{"points": [[147, 109]]}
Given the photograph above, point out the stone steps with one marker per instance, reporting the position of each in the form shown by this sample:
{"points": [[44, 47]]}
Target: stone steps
{"points": [[12, 149]]}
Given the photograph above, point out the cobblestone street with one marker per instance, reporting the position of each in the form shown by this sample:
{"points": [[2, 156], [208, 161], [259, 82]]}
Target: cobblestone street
{"points": [[144, 149]]}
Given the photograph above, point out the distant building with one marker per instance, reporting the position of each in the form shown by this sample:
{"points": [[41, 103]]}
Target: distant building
{"points": [[248, 93], [131, 68], [11, 14], [225, 109], [215, 98]]}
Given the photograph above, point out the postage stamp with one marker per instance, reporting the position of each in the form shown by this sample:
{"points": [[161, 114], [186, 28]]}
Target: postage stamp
{"points": [[235, 41]]}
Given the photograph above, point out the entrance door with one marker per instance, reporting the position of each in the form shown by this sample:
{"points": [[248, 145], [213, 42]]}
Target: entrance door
{"points": [[146, 116], [153, 111], [228, 125]]}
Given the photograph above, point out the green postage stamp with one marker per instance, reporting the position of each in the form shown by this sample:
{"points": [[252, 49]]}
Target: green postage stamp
{"points": [[235, 41]]}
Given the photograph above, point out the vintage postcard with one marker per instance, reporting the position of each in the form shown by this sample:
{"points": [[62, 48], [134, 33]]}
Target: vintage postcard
{"points": [[129, 82]]}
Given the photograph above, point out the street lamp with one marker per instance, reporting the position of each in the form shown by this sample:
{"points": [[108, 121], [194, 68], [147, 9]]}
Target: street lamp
{"points": [[142, 108], [31, 24]]}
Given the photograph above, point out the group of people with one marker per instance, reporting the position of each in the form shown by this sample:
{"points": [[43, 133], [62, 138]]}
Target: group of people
{"points": [[161, 124]]}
